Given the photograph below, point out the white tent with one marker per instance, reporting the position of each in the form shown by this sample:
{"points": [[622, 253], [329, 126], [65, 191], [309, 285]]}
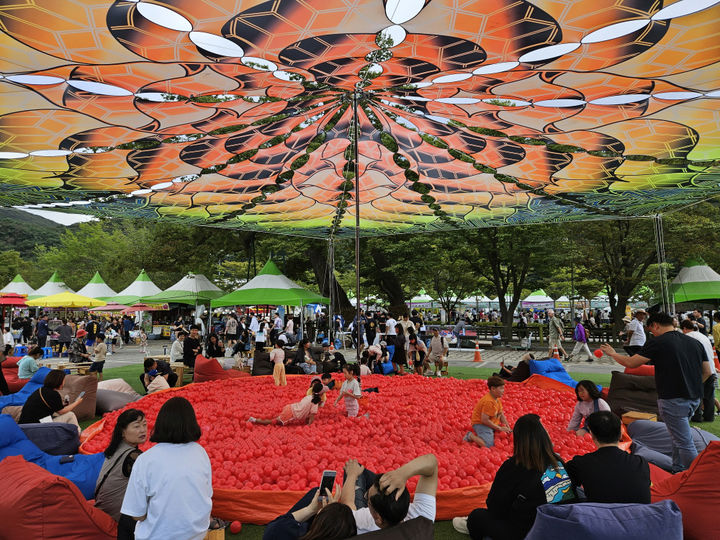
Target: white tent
{"points": [[422, 300], [142, 286], [18, 286], [54, 285], [97, 288], [537, 300], [193, 289], [477, 302]]}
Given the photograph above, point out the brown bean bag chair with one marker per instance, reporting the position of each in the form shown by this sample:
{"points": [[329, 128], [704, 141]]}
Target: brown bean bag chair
{"points": [[419, 528], [74, 384], [632, 393], [697, 493], [209, 369], [39, 505]]}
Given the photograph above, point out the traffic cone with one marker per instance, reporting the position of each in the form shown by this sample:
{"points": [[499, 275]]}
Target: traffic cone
{"points": [[556, 353], [715, 359], [477, 357], [332, 346]]}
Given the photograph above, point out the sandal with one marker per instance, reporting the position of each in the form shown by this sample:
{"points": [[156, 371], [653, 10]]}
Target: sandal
{"points": [[217, 523]]}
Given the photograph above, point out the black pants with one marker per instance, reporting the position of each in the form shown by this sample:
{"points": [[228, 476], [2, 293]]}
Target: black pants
{"points": [[481, 523], [126, 528], [706, 410], [3, 384], [632, 349], [41, 341]]}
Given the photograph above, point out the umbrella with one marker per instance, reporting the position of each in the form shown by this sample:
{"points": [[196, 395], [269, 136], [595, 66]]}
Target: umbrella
{"points": [[193, 289], [270, 287], [112, 306], [66, 300], [145, 307], [97, 288], [12, 299]]}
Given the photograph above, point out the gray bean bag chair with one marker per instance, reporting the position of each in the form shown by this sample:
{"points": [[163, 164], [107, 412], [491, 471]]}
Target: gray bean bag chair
{"points": [[632, 393], [419, 528], [651, 440], [111, 400], [261, 363]]}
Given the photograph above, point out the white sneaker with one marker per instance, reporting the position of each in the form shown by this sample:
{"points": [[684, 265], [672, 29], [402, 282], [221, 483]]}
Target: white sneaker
{"points": [[252, 419], [460, 525]]}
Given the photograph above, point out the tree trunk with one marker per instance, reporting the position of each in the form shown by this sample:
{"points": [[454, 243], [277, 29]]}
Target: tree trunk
{"points": [[389, 283], [319, 262]]}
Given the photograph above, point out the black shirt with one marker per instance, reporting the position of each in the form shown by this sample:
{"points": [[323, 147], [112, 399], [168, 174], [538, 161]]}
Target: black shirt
{"points": [[35, 409], [189, 352], [678, 365], [162, 367], [610, 475], [92, 330]]}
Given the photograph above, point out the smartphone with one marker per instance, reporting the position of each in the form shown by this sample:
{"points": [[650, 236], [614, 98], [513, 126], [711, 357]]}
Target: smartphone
{"points": [[327, 482], [67, 459], [81, 394]]}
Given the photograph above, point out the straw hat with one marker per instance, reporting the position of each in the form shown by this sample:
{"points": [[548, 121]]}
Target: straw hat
{"points": [[627, 318]]}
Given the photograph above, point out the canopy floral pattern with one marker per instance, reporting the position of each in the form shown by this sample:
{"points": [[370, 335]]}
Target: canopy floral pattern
{"points": [[470, 114]]}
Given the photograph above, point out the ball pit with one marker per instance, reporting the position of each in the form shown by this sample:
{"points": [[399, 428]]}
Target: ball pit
{"points": [[410, 416]]}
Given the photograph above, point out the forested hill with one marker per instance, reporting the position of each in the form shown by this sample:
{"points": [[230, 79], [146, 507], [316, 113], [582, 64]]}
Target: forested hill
{"points": [[21, 231]]}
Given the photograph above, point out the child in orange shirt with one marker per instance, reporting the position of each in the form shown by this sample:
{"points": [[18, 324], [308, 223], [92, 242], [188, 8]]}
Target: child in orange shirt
{"points": [[488, 417]]}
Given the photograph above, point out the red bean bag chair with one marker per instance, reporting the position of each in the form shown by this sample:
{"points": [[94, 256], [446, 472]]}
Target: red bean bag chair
{"points": [[209, 369], [40, 505], [10, 370], [697, 493], [641, 370]]}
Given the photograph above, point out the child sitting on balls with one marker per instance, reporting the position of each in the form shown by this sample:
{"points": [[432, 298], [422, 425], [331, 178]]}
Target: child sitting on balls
{"points": [[302, 412], [488, 417]]}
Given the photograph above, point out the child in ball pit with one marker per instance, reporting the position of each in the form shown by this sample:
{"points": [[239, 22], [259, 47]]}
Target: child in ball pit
{"points": [[350, 389], [488, 416], [325, 389], [303, 411]]}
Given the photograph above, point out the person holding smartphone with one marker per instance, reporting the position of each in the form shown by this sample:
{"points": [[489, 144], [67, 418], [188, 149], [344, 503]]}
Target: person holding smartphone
{"points": [[47, 403]]}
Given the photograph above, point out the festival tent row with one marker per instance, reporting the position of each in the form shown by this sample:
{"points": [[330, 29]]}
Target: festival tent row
{"points": [[18, 286], [54, 285]]}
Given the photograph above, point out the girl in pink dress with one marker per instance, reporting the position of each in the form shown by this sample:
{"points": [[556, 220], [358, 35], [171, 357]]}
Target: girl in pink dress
{"points": [[302, 412]]}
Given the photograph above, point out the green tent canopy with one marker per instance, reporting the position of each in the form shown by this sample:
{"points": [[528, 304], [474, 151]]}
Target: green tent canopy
{"points": [[193, 289], [54, 285], [270, 287], [696, 281], [18, 286], [97, 288], [142, 286]]}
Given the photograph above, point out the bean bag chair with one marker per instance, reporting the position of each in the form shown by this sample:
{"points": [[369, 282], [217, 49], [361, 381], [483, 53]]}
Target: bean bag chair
{"points": [[83, 471], [118, 385], [54, 438], [641, 370], [651, 440], [262, 364], [10, 371], [553, 369], [209, 369], [20, 397], [697, 493], [600, 521], [39, 505], [110, 400], [74, 384], [419, 528], [632, 393]]}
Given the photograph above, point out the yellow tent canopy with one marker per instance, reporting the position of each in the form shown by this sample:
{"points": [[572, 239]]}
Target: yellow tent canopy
{"points": [[66, 299]]}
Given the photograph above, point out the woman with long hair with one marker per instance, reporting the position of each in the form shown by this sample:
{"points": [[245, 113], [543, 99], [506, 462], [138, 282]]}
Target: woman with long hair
{"points": [[47, 402], [589, 401], [534, 475], [130, 432], [170, 489]]}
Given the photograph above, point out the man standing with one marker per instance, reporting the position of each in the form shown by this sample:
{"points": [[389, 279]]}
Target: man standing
{"points": [[127, 326], [42, 331], [700, 321], [231, 328], [92, 328], [635, 338], [555, 334], [706, 411], [681, 368], [192, 346]]}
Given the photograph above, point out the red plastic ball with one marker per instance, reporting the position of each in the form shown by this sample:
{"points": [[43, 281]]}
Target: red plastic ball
{"points": [[598, 353], [235, 527]]}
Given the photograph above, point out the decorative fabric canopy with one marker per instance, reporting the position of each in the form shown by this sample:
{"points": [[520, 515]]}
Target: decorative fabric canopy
{"points": [[695, 281], [193, 289], [469, 114], [18, 286], [270, 287], [112, 306], [97, 288], [54, 285], [67, 300], [142, 286]]}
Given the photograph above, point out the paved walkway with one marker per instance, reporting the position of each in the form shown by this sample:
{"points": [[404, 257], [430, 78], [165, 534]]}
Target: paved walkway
{"points": [[491, 358]]}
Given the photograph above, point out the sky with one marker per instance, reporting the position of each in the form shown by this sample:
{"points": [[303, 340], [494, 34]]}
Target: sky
{"points": [[59, 217]]}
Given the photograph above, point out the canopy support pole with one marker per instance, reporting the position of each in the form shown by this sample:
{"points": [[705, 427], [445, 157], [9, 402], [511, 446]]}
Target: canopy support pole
{"points": [[660, 248], [330, 278], [356, 138]]}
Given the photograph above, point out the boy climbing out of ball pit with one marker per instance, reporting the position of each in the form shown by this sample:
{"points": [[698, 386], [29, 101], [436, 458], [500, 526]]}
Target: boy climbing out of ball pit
{"points": [[350, 389], [488, 416], [303, 411]]}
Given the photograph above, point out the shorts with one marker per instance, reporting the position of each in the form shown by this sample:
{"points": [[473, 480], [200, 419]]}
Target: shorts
{"points": [[232, 337], [286, 416], [554, 342], [435, 358], [487, 434], [97, 366]]}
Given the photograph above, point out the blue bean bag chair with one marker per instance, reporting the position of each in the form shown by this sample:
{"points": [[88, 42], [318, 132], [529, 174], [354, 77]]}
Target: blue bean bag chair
{"points": [[596, 521], [19, 398], [553, 369], [83, 471]]}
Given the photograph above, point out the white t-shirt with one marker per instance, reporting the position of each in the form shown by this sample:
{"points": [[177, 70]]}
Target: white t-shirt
{"points": [[703, 339], [390, 327], [638, 333], [176, 351], [171, 484], [423, 505]]}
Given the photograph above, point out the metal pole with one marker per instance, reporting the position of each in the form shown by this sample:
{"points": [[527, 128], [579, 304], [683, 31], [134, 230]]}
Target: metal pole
{"points": [[356, 138], [660, 248], [331, 282], [572, 291]]}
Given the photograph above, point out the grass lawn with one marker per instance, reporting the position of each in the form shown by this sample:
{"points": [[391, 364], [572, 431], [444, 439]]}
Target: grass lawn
{"points": [[443, 529]]}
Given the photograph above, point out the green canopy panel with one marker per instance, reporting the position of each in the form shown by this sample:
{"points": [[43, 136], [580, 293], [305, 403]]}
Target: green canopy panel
{"points": [[141, 287], [270, 287], [696, 281], [193, 289], [469, 114]]}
